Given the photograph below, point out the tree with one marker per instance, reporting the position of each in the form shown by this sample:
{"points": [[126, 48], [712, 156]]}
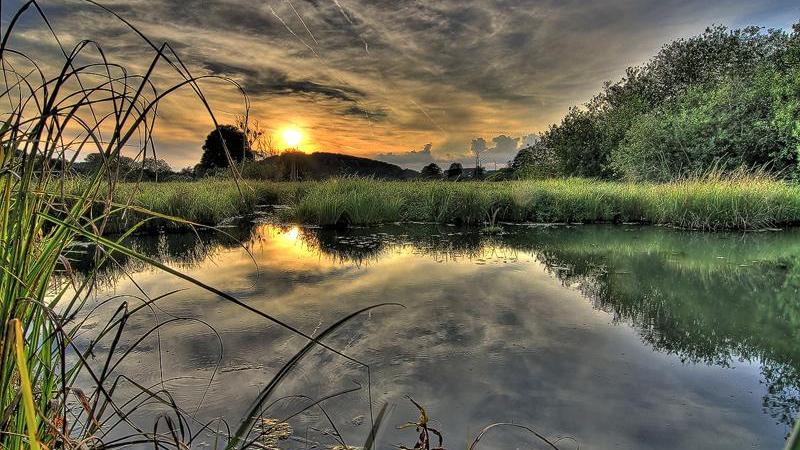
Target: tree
{"points": [[721, 100], [214, 155], [153, 169], [477, 147], [455, 171], [579, 145], [479, 173], [703, 130], [534, 161], [431, 171], [122, 166]]}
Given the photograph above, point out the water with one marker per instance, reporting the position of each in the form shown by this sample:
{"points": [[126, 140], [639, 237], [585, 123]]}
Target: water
{"points": [[620, 338]]}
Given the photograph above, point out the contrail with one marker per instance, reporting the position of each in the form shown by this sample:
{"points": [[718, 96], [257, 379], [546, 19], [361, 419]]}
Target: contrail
{"points": [[303, 22], [317, 55], [293, 33], [352, 24], [339, 5], [428, 116]]}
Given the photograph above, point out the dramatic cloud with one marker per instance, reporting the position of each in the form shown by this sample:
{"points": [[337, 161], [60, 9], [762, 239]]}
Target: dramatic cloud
{"points": [[528, 140], [373, 77], [274, 82], [412, 158]]}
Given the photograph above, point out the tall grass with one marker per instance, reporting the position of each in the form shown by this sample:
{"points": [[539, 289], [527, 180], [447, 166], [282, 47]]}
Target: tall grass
{"points": [[53, 115], [741, 203], [708, 203]]}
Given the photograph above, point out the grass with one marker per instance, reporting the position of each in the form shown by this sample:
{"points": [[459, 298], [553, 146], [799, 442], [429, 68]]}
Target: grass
{"points": [[51, 115], [742, 203], [208, 202]]}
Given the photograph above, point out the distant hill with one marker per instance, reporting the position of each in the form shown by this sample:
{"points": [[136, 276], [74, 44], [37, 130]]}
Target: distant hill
{"points": [[322, 165]]}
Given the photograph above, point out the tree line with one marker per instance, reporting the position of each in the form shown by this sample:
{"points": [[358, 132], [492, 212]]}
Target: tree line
{"points": [[721, 101]]}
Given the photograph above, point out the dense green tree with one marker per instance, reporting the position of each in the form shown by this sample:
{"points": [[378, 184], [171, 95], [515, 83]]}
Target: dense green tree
{"points": [[431, 171], [704, 130], [535, 161], [224, 137], [455, 171], [579, 145], [720, 100]]}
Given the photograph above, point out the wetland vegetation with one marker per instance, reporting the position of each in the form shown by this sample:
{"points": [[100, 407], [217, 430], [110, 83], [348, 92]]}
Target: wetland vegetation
{"points": [[744, 202]]}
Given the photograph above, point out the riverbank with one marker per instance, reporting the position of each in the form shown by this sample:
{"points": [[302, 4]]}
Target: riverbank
{"points": [[738, 204]]}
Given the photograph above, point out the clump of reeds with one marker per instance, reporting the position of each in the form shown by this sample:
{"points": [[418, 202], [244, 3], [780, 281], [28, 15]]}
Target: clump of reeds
{"points": [[346, 201], [88, 104]]}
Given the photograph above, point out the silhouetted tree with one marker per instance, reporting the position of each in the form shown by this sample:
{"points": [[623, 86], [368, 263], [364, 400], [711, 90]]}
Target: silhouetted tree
{"points": [[479, 173], [431, 171], [214, 151], [155, 169], [455, 171], [121, 165]]}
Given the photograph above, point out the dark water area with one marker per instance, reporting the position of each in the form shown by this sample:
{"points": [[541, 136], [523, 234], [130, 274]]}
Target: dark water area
{"points": [[617, 337]]}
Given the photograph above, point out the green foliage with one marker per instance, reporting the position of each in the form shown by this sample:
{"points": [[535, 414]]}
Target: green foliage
{"points": [[343, 202], [722, 100], [578, 145], [727, 126], [536, 161]]}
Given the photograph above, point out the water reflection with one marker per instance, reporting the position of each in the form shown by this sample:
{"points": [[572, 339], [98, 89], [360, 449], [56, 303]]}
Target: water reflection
{"points": [[671, 350]]}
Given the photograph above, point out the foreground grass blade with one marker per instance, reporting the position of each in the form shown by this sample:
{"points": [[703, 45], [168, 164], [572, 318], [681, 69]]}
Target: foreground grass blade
{"points": [[793, 443], [25, 384]]}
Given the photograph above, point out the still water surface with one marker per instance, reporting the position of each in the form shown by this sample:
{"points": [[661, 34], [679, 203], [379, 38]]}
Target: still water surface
{"points": [[621, 338]]}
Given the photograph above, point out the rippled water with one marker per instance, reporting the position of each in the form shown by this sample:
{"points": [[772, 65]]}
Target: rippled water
{"points": [[620, 338]]}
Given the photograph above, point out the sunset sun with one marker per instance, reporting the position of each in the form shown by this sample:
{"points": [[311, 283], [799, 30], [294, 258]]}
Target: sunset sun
{"points": [[292, 137]]}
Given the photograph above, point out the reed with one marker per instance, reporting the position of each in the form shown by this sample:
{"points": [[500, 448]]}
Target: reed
{"points": [[53, 115], [743, 202]]}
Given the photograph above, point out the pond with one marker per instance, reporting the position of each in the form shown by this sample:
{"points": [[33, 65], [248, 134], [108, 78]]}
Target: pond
{"points": [[615, 337]]}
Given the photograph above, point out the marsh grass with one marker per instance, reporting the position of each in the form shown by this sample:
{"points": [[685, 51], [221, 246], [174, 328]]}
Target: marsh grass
{"points": [[741, 202]]}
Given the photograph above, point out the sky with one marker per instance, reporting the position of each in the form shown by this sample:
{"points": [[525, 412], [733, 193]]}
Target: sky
{"points": [[407, 82]]}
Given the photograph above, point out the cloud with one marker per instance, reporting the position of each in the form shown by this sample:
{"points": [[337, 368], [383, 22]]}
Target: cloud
{"points": [[364, 113], [415, 158], [438, 71], [271, 81], [528, 140], [505, 144]]}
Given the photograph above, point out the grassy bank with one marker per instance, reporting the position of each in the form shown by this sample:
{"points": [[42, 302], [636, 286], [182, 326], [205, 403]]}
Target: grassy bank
{"points": [[710, 204], [208, 202]]}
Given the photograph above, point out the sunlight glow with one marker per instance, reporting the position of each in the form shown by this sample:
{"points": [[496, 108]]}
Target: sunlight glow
{"points": [[292, 234], [292, 137]]}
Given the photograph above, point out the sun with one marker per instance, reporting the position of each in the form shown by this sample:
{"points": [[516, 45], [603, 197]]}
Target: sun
{"points": [[292, 137]]}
